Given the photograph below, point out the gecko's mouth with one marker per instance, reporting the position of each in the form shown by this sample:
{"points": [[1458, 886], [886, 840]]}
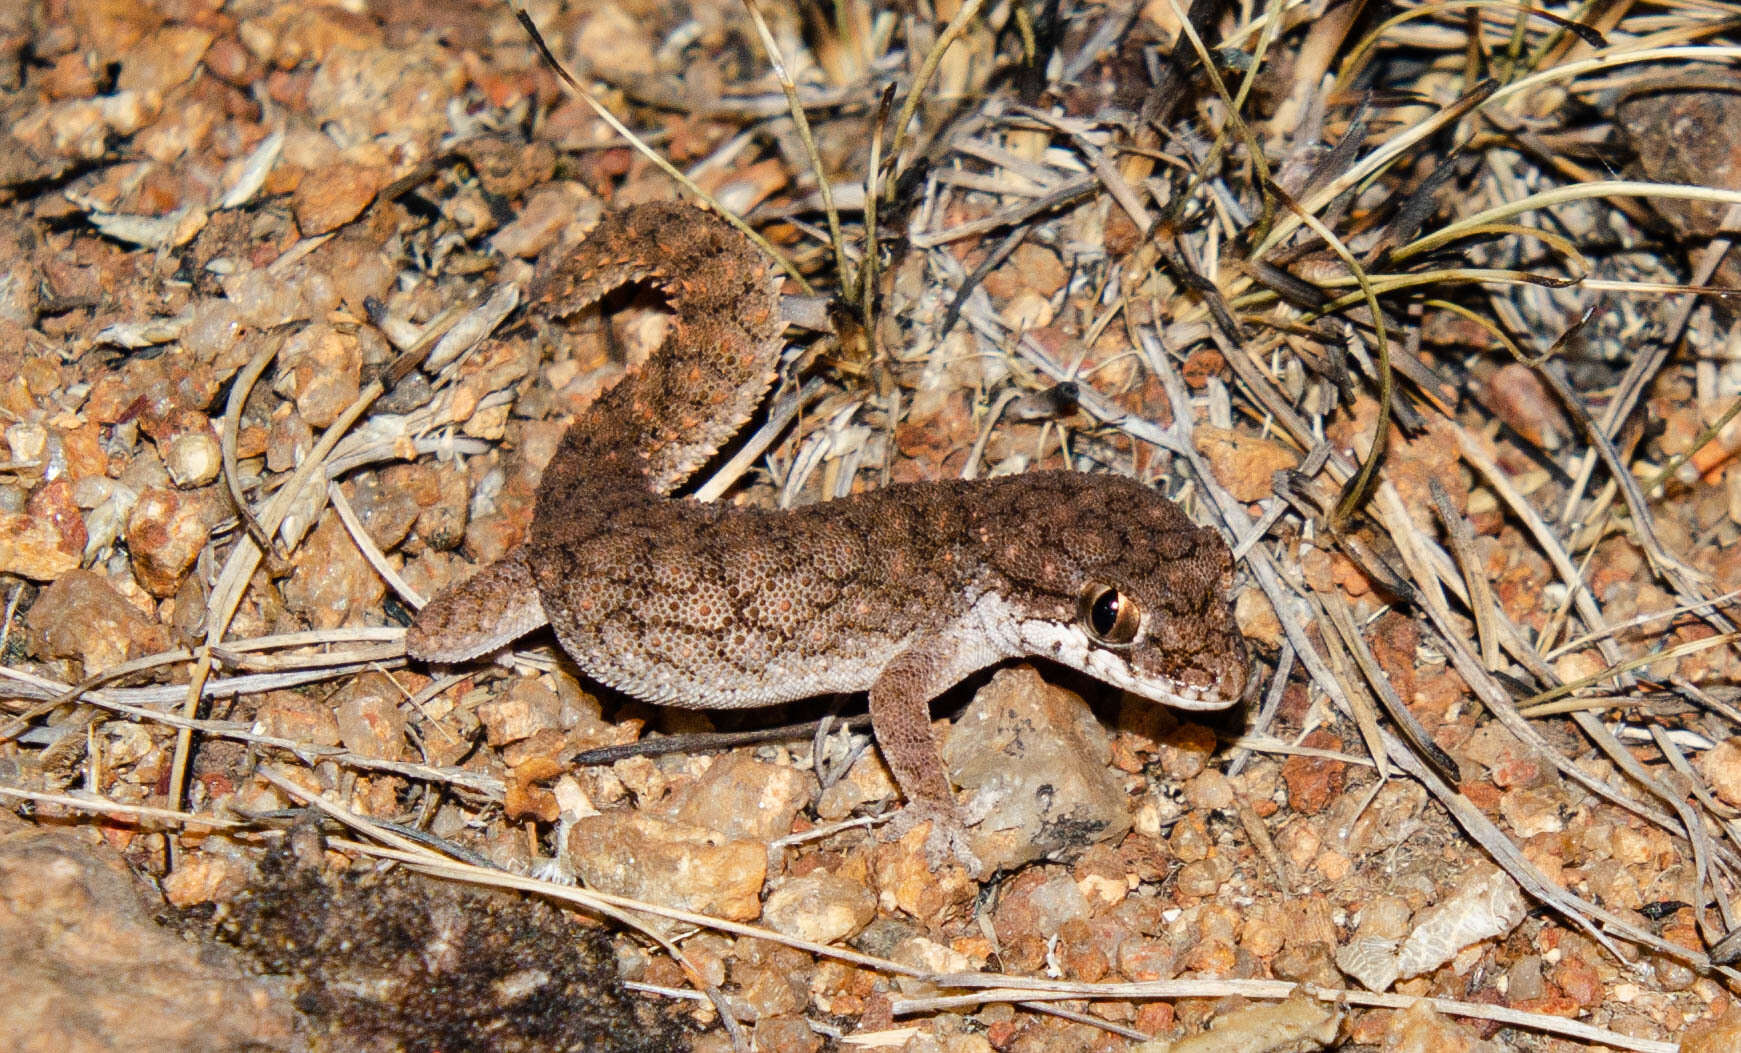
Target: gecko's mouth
{"points": [[1210, 693], [1192, 696], [1184, 685]]}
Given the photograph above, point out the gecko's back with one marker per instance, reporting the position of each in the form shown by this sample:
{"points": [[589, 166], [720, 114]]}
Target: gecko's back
{"points": [[680, 603]]}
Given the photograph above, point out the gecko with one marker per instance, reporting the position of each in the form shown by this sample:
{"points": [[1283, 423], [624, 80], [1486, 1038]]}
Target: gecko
{"points": [[900, 592]]}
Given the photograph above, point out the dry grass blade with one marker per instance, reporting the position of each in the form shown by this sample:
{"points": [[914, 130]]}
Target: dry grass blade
{"points": [[824, 186], [1365, 717], [1030, 989], [964, 17], [1418, 737], [1475, 585], [1559, 196], [867, 279], [1544, 703], [232, 416]]}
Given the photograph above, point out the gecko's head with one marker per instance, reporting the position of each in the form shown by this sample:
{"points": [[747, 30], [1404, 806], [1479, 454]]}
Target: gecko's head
{"points": [[1107, 576]]}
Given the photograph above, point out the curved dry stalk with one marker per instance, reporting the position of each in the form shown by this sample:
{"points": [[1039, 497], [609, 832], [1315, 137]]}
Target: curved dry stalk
{"points": [[795, 108], [658, 159], [956, 28]]}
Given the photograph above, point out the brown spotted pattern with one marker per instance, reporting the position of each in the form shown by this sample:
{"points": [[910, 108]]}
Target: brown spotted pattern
{"points": [[901, 591]]}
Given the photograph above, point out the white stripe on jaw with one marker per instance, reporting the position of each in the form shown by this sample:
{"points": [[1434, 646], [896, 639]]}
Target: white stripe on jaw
{"points": [[1067, 643]]}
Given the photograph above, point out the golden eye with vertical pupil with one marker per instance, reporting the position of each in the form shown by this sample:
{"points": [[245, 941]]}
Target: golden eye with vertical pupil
{"points": [[1110, 616]]}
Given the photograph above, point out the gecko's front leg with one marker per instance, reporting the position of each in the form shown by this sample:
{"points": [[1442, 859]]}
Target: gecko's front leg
{"points": [[900, 708]]}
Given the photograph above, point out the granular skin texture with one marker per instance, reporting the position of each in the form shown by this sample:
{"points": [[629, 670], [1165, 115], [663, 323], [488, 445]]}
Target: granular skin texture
{"points": [[900, 592]]}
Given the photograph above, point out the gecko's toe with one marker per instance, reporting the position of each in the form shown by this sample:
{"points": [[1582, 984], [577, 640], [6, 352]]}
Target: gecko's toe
{"points": [[946, 843]]}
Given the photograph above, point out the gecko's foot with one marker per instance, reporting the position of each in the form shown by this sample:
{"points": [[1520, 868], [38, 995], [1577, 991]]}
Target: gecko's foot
{"points": [[556, 871], [947, 841]]}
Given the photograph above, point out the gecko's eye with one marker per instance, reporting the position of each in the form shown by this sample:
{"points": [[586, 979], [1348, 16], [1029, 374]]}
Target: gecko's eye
{"points": [[1110, 616]]}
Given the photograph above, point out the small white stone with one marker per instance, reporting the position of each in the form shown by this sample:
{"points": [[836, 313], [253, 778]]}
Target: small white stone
{"points": [[192, 459]]}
